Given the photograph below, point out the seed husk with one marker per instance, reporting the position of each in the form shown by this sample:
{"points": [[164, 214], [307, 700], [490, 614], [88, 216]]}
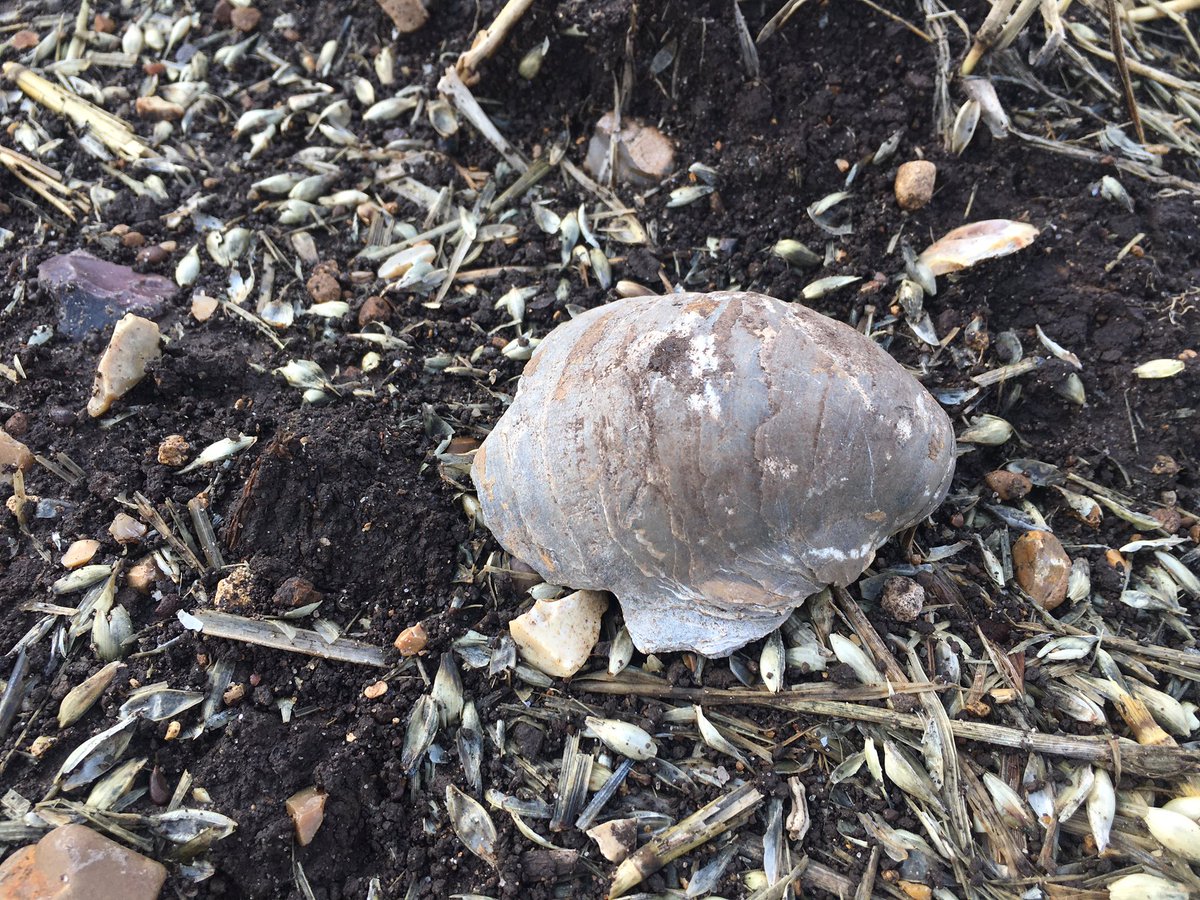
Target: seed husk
{"points": [[472, 824], [623, 737], [84, 695], [1174, 831], [95, 756]]}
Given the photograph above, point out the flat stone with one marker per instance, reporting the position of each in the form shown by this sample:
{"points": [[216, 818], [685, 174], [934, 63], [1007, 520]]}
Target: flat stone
{"points": [[557, 636], [93, 294], [412, 640], [125, 529], [73, 862], [134, 345]]}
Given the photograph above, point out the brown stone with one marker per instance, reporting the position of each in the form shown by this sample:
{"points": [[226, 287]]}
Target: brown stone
{"points": [[296, 592], [156, 109], [13, 455], [17, 424], [412, 640], [902, 599], [407, 15], [323, 287], [615, 838], [103, 24], [233, 591], [1168, 518], [245, 18], [152, 257], [133, 240], [375, 690], [643, 155], [914, 184], [1008, 485], [24, 39], [173, 450], [374, 309], [307, 809], [142, 575], [1043, 568], [73, 862], [223, 13]]}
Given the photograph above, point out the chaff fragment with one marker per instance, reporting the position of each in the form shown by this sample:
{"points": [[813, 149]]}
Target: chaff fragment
{"points": [[114, 132], [299, 640], [726, 812]]}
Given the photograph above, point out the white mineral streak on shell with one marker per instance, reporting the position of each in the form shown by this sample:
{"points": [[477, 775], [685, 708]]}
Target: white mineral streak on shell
{"points": [[711, 459]]}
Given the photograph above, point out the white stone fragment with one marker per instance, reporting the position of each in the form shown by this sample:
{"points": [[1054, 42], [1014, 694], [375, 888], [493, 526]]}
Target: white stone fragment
{"points": [[556, 636]]}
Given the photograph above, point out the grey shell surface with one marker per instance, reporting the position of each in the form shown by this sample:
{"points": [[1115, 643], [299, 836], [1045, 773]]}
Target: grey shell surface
{"points": [[712, 460]]}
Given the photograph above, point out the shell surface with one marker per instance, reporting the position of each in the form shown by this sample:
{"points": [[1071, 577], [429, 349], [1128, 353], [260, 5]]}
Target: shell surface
{"points": [[712, 460]]}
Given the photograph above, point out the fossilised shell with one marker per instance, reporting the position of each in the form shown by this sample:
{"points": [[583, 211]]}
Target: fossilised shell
{"points": [[712, 460]]}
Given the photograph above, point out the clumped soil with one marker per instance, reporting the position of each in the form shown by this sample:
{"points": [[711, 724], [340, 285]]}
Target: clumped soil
{"points": [[348, 496]]}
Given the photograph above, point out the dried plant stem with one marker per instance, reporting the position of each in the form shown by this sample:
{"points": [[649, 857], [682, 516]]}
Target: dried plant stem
{"points": [[1151, 761], [457, 92], [152, 518], [1161, 10], [986, 36], [1118, 50], [115, 133], [264, 634], [712, 819], [488, 41], [40, 179]]}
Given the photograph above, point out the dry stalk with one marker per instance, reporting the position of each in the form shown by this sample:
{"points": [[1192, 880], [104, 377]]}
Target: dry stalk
{"points": [[488, 41], [310, 643], [114, 132]]}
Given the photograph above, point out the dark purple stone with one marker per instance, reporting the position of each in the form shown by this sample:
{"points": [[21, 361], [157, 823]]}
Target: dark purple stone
{"points": [[92, 293]]}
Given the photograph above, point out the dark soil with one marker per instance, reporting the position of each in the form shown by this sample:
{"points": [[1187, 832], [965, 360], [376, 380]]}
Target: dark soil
{"points": [[348, 495]]}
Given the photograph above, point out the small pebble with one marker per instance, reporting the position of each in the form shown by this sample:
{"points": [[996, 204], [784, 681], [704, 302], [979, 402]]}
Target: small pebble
{"points": [[80, 553], [151, 257], [24, 39], [296, 592], [323, 287], [234, 693], [203, 306], [173, 451], [307, 809], [223, 13], [903, 599], [376, 690], [1008, 485], [1042, 568], [374, 309], [914, 184], [142, 575], [407, 15], [245, 18], [13, 455], [17, 424], [173, 729], [412, 640], [233, 591], [125, 529], [103, 24], [1168, 518], [62, 417], [133, 240]]}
